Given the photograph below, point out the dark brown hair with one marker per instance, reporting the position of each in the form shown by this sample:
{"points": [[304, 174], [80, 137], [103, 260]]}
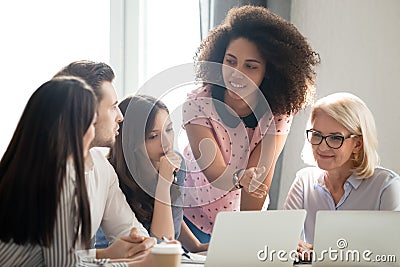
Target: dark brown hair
{"points": [[133, 167], [290, 61], [93, 73], [33, 168]]}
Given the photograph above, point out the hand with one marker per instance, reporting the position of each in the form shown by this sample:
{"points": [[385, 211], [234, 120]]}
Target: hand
{"points": [[304, 251], [249, 180], [134, 236], [202, 247], [133, 246], [170, 241], [169, 163], [142, 244]]}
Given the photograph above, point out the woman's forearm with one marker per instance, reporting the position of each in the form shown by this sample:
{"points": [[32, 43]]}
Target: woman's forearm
{"points": [[162, 223]]}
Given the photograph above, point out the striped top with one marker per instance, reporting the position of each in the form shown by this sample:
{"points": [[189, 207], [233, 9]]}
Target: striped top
{"points": [[62, 251]]}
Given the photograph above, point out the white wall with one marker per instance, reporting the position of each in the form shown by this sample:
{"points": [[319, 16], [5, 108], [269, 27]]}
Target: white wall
{"points": [[359, 45], [40, 37]]}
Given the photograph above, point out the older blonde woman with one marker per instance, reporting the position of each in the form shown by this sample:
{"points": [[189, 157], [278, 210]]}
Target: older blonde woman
{"points": [[343, 140]]}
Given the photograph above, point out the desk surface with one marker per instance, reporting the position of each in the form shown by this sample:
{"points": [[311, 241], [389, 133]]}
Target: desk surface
{"points": [[202, 265], [194, 264]]}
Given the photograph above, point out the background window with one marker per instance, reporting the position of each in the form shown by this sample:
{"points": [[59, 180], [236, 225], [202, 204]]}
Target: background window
{"points": [[38, 38], [169, 35]]}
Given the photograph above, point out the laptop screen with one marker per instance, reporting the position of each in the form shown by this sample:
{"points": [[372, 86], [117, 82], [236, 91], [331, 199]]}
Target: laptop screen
{"points": [[255, 238], [357, 238]]}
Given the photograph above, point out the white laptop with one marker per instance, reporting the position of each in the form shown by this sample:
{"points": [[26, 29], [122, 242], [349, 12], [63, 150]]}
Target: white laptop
{"points": [[255, 238], [357, 238]]}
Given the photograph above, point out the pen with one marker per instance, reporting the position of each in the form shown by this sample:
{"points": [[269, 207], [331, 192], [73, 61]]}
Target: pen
{"points": [[186, 255]]}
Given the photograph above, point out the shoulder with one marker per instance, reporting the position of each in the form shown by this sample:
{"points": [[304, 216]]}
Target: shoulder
{"points": [[309, 171], [100, 163], [283, 123], [197, 108], [308, 175], [98, 154], [384, 175], [203, 91], [197, 98]]}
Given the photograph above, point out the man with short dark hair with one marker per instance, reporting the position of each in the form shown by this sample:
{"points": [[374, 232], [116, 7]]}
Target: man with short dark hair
{"points": [[108, 207]]}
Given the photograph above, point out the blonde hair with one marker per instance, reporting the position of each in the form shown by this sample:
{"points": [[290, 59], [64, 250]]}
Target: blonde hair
{"points": [[351, 112]]}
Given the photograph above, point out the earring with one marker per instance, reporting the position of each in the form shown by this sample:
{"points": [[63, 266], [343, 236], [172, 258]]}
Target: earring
{"points": [[356, 157]]}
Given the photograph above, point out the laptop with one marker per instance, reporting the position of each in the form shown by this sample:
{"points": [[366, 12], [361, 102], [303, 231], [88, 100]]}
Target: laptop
{"points": [[357, 238], [255, 238]]}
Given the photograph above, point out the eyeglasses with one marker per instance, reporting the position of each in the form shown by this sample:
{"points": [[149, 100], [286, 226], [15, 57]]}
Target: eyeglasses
{"points": [[333, 141]]}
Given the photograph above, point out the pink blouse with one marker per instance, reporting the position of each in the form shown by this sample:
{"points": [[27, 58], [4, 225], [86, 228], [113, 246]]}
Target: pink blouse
{"points": [[202, 200]]}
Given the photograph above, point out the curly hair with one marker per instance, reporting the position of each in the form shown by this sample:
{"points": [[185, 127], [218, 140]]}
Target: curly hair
{"points": [[288, 84]]}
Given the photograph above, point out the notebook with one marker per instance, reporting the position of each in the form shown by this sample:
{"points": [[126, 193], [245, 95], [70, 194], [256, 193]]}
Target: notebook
{"points": [[255, 238], [357, 238]]}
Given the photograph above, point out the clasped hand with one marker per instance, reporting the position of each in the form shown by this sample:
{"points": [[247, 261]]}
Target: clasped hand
{"points": [[133, 246], [249, 180]]}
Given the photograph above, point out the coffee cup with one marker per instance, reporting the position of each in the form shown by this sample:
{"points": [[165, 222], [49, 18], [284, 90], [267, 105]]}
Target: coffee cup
{"points": [[167, 255]]}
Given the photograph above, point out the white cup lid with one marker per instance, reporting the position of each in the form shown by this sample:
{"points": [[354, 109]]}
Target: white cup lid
{"points": [[164, 248]]}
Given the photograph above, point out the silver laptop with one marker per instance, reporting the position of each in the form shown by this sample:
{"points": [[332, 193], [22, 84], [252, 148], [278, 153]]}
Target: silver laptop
{"points": [[255, 238], [357, 238]]}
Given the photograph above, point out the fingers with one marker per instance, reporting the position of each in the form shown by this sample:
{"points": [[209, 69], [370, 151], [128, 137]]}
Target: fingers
{"points": [[304, 251], [174, 159], [251, 184], [204, 247], [305, 245], [256, 187], [260, 170], [134, 236], [142, 248], [171, 159], [173, 242]]}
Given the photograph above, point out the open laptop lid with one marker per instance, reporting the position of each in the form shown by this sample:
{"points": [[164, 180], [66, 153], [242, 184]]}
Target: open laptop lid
{"points": [[255, 238], [357, 238]]}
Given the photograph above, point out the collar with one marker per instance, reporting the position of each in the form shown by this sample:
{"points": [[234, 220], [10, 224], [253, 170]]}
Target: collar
{"points": [[352, 180], [229, 119], [89, 165]]}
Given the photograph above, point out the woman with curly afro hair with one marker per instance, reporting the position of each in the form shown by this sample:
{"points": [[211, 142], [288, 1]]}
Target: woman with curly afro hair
{"points": [[257, 71]]}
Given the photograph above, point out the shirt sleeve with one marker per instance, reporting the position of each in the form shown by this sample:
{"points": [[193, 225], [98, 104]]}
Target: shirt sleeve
{"points": [[390, 197], [62, 252], [196, 107], [87, 258], [118, 218], [295, 197], [177, 198], [282, 125]]}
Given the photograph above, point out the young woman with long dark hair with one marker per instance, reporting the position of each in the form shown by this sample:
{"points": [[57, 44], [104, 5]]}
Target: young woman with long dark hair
{"points": [[45, 212], [150, 172]]}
